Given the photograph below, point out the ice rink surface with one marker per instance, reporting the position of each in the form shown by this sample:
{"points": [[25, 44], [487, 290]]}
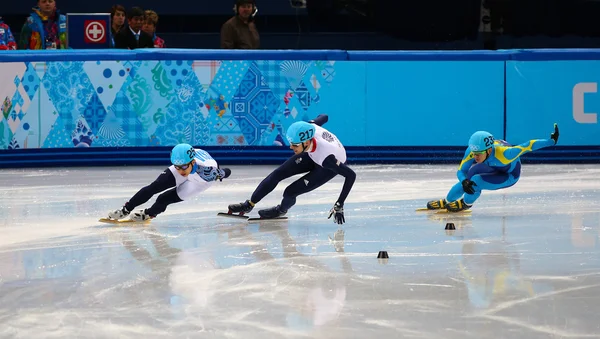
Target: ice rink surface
{"points": [[525, 264]]}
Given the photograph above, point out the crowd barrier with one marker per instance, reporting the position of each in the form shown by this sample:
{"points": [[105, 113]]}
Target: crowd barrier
{"points": [[120, 107]]}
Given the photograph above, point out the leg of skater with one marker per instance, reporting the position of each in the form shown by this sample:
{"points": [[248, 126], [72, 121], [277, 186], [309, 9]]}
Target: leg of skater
{"points": [[299, 163], [308, 182]]}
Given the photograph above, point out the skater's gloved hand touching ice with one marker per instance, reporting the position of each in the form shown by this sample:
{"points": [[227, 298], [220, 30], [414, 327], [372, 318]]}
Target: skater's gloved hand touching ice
{"points": [[338, 212]]}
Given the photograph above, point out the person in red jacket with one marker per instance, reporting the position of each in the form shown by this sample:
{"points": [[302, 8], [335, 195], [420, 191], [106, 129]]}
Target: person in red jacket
{"points": [[7, 40]]}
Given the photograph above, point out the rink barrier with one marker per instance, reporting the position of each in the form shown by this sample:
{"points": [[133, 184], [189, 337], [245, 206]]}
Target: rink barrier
{"points": [[445, 147], [159, 156], [334, 55]]}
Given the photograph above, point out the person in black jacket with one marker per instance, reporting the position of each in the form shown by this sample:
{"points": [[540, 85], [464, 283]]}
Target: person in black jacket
{"points": [[133, 37], [240, 32]]}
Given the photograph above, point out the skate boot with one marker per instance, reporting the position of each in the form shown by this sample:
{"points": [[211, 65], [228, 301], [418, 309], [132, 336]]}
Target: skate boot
{"points": [[118, 214], [140, 215], [457, 206], [241, 208], [272, 212], [437, 204]]}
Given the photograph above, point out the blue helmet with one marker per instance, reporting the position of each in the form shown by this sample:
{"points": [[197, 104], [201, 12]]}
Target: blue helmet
{"points": [[182, 154], [481, 141], [300, 132]]}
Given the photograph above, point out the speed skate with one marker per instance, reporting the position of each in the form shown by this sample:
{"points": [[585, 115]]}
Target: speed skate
{"points": [[442, 211], [123, 221], [247, 218]]}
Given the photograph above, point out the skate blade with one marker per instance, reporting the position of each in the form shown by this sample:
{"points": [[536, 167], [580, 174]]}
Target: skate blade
{"points": [[234, 216], [448, 212], [444, 211], [266, 219], [126, 221]]}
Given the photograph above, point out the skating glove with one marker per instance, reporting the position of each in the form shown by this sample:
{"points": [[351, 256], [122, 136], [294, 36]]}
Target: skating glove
{"points": [[224, 173], [338, 212], [468, 186], [554, 136], [211, 173]]}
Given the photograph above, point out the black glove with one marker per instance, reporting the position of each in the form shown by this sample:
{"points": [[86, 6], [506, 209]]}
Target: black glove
{"points": [[468, 186], [338, 211], [226, 173], [554, 136], [221, 174]]}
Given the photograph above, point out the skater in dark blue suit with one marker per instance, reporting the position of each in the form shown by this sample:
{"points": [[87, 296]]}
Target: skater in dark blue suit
{"points": [[320, 155]]}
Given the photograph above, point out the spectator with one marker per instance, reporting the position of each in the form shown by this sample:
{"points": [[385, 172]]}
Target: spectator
{"points": [[7, 40], [46, 28], [133, 37], [150, 22], [240, 32], [117, 19]]}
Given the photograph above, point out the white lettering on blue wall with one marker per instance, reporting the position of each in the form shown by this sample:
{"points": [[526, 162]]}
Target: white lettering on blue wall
{"points": [[579, 91]]}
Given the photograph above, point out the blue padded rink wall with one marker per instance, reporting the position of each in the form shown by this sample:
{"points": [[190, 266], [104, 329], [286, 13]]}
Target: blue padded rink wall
{"points": [[524, 264]]}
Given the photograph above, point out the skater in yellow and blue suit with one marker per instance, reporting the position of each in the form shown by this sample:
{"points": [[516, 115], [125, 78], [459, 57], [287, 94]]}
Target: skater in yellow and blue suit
{"points": [[488, 164]]}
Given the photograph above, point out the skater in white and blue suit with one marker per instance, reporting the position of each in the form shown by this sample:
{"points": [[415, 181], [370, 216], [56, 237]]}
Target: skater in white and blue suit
{"points": [[192, 172], [488, 164]]}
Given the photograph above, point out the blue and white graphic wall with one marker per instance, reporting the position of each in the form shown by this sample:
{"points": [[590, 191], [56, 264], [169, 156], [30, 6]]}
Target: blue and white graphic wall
{"points": [[394, 100]]}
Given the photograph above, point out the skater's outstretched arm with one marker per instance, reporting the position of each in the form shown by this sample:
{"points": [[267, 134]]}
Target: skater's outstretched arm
{"points": [[320, 120], [340, 168], [508, 154]]}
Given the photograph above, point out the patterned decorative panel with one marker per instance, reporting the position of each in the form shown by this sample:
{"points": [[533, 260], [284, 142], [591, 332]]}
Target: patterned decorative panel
{"points": [[157, 103]]}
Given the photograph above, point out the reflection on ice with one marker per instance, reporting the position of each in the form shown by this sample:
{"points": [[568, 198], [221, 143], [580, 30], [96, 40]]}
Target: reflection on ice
{"points": [[525, 264]]}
